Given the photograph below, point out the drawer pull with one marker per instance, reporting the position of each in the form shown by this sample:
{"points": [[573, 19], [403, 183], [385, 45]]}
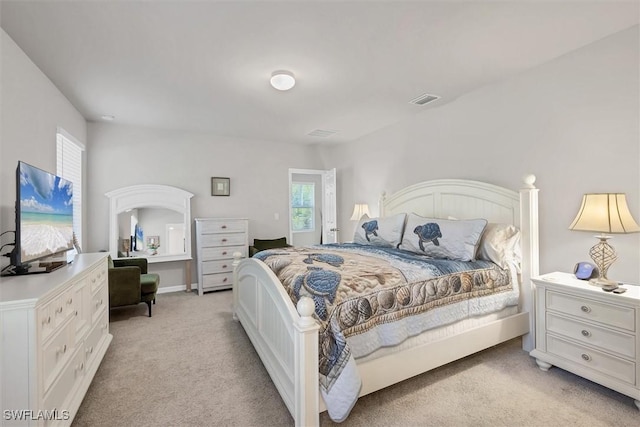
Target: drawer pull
{"points": [[224, 240], [224, 253], [59, 310], [70, 301], [62, 349], [105, 326], [76, 313], [80, 367], [585, 309], [46, 321], [586, 357], [90, 350], [224, 266], [225, 279], [223, 227], [586, 333]]}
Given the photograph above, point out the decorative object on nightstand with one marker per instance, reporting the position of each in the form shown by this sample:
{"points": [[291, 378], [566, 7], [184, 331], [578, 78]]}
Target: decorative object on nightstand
{"points": [[604, 213], [591, 333], [360, 210]]}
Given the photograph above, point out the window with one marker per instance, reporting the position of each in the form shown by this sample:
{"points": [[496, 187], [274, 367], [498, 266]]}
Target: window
{"points": [[69, 166], [302, 206]]}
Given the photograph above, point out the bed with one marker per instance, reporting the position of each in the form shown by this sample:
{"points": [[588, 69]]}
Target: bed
{"points": [[287, 336]]}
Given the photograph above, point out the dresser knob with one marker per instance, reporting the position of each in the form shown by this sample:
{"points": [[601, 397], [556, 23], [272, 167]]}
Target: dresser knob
{"points": [[224, 240], [224, 227], [585, 309], [225, 279], [586, 357], [586, 333], [224, 253], [224, 266]]}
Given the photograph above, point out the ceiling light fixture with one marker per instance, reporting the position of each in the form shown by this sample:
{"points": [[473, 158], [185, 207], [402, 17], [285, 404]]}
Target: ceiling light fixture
{"points": [[283, 80], [108, 117]]}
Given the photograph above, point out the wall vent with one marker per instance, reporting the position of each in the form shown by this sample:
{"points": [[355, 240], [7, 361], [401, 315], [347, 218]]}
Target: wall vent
{"points": [[424, 99], [322, 133]]}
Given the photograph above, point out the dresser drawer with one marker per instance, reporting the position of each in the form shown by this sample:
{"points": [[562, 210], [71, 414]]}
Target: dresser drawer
{"points": [[219, 280], [57, 397], [57, 352], [223, 226], [595, 311], [98, 277], [605, 339], [223, 239], [221, 266], [223, 252], [607, 364], [95, 337]]}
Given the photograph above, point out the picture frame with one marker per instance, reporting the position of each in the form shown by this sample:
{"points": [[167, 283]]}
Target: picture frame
{"points": [[220, 186]]}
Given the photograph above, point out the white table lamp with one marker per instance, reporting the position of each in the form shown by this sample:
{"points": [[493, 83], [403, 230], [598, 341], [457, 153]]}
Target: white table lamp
{"points": [[604, 213]]}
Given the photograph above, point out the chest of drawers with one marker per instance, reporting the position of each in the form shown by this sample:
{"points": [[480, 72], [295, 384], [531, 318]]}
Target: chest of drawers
{"points": [[216, 241], [55, 332], [592, 333]]}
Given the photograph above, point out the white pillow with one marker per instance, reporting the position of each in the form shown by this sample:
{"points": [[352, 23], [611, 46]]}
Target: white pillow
{"points": [[500, 244], [386, 232], [443, 238]]}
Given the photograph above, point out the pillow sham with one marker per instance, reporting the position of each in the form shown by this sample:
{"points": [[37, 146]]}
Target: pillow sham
{"points": [[442, 238], [500, 244], [385, 232]]}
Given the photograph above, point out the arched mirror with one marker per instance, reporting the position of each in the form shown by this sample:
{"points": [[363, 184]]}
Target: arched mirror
{"points": [[153, 221]]}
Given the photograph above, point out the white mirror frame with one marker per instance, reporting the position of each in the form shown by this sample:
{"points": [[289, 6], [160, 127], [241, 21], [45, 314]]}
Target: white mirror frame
{"points": [[150, 196]]}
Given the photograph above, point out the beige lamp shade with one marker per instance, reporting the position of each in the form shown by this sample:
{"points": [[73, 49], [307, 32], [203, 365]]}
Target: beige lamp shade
{"points": [[360, 210], [605, 213]]}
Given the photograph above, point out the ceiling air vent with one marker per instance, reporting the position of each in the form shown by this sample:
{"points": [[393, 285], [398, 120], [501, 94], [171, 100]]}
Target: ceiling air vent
{"points": [[424, 99], [322, 133]]}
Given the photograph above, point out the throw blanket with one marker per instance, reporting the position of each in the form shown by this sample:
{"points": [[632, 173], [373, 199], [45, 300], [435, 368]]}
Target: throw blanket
{"points": [[356, 288]]}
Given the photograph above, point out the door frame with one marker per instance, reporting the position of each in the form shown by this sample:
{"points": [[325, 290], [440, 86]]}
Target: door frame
{"points": [[329, 225]]}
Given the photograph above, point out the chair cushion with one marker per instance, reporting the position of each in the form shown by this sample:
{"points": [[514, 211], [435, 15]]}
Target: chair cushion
{"points": [[149, 283], [261, 245]]}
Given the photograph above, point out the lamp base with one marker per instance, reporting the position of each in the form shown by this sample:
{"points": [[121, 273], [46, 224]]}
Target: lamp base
{"points": [[602, 282]]}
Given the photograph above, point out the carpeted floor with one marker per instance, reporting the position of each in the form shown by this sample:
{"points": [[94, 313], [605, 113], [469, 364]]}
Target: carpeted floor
{"points": [[192, 365]]}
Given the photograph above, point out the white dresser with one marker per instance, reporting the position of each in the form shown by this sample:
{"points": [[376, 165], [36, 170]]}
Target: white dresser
{"points": [[55, 332], [592, 333], [216, 241]]}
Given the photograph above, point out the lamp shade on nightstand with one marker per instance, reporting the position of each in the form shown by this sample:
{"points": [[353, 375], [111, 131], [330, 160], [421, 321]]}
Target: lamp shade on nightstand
{"points": [[360, 210]]}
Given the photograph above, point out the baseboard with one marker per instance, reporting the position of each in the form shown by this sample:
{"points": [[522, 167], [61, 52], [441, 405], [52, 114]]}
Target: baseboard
{"points": [[178, 288]]}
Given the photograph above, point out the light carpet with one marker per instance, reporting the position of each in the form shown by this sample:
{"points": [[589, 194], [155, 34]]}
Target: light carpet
{"points": [[191, 364]]}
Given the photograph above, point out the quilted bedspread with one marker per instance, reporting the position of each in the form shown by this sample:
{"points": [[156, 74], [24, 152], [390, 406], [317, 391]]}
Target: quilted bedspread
{"points": [[357, 288]]}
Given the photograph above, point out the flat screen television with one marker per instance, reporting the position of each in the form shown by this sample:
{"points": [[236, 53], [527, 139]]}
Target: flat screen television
{"points": [[44, 218]]}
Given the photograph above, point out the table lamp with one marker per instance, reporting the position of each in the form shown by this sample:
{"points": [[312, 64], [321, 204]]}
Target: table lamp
{"points": [[360, 210], [604, 213]]}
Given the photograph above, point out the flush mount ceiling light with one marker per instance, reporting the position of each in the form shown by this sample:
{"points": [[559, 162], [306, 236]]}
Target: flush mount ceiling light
{"points": [[283, 80], [108, 117]]}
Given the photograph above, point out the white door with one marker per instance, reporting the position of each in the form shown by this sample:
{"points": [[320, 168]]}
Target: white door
{"points": [[326, 207], [329, 215]]}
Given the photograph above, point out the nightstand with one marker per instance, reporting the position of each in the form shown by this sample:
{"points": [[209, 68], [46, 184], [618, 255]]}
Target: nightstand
{"points": [[589, 332]]}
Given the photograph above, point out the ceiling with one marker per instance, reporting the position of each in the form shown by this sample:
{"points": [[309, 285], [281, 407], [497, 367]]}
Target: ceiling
{"points": [[205, 65]]}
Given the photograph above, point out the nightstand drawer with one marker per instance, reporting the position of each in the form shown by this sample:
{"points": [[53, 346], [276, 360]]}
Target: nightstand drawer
{"points": [[605, 339], [592, 310], [612, 366]]}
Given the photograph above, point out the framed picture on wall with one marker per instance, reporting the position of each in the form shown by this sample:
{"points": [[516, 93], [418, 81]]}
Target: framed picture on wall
{"points": [[220, 186]]}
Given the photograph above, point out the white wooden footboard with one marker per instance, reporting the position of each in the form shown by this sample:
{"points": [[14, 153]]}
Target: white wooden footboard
{"points": [[282, 336]]}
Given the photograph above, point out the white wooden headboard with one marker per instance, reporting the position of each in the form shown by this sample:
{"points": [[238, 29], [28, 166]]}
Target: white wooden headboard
{"points": [[458, 198]]}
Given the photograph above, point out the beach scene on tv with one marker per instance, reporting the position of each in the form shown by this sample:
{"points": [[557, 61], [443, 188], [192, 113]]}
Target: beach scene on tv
{"points": [[46, 213]]}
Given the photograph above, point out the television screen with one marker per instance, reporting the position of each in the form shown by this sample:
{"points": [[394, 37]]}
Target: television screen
{"points": [[44, 215]]}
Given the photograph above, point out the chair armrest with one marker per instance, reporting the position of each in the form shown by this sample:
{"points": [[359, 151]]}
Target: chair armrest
{"points": [[141, 263], [124, 286]]}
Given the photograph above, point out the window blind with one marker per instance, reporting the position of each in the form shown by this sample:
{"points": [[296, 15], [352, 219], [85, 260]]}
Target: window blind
{"points": [[69, 166]]}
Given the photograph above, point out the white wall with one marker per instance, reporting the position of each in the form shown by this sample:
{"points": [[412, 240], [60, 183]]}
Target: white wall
{"points": [[574, 122], [259, 170], [31, 108]]}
